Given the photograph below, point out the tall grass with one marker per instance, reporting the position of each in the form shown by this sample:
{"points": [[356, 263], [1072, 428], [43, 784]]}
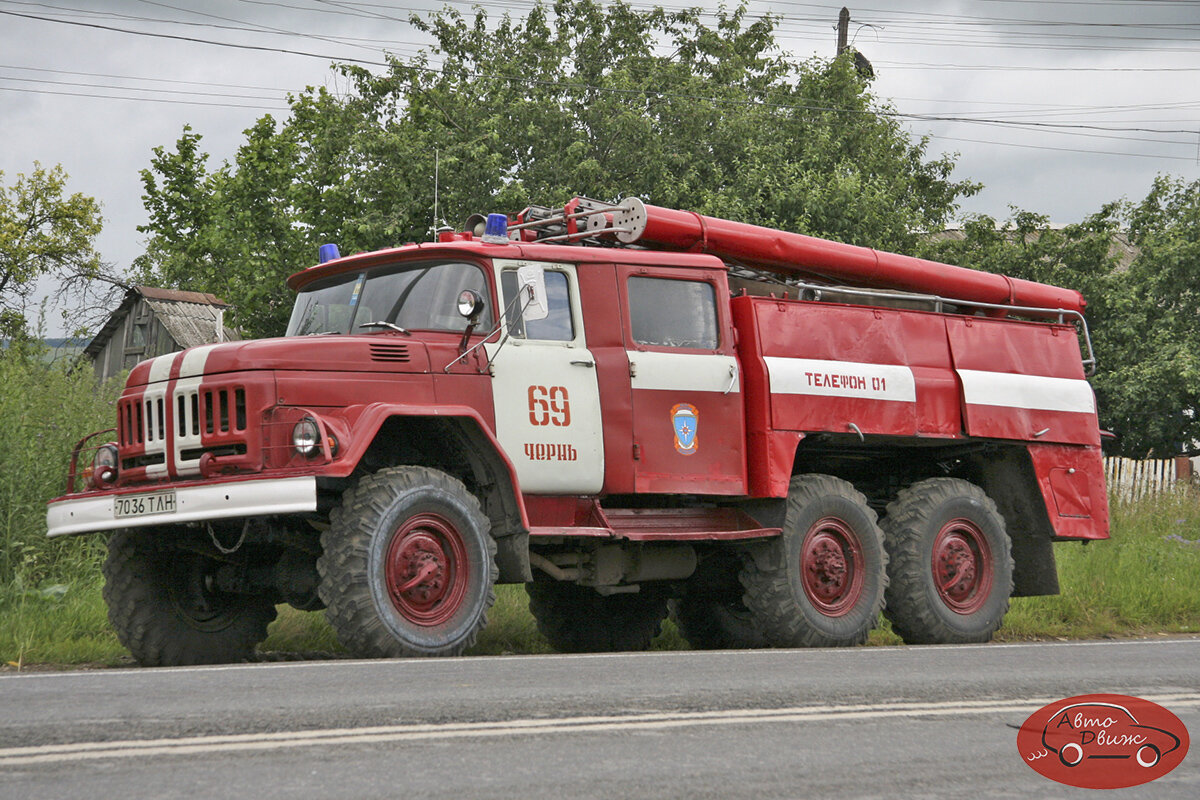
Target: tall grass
{"points": [[57, 623], [1146, 579], [45, 408]]}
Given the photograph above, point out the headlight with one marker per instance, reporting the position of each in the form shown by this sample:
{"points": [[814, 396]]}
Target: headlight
{"points": [[470, 303], [104, 464], [306, 437]]}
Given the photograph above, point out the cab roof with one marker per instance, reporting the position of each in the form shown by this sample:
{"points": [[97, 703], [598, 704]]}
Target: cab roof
{"points": [[528, 251]]}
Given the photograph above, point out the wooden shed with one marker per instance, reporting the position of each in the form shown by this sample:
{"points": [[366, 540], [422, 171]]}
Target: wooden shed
{"points": [[153, 322]]}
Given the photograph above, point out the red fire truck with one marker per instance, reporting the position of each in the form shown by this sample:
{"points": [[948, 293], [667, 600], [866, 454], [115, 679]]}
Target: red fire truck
{"points": [[632, 410]]}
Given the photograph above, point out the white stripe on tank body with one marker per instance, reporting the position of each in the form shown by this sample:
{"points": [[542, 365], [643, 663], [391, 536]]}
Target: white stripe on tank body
{"points": [[1032, 392], [821, 378]]}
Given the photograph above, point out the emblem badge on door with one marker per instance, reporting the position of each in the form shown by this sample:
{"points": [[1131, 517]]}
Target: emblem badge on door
{"points": [[683, 420]]}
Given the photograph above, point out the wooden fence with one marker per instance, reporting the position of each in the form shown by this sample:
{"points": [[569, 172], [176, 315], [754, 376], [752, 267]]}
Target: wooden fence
{"points": [[1129, 479]]}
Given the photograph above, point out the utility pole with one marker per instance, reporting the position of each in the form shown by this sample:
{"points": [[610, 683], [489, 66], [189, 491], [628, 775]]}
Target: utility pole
{"points": [[843, 30]]}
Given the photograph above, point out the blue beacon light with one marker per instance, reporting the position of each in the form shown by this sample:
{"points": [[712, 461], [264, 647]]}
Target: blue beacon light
{"points": [[496, 231], [328, 252]]}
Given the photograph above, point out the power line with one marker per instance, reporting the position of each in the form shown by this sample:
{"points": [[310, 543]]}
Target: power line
{"points": [[1061, 127], [584, 87], [46, 82], [91, 96], [144, 78], [1061, 149], [177, 37], [1020, 68], [1044, 108]]}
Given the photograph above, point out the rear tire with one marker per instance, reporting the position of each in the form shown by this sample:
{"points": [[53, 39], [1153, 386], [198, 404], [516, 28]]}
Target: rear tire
{"points": [[166, 609], [578, 619], [409, 566], [951, 563], [825, 585], [711, 614]]}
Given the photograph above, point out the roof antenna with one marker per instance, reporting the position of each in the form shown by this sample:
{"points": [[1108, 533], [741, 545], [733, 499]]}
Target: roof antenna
{"points": [[439, 225]]}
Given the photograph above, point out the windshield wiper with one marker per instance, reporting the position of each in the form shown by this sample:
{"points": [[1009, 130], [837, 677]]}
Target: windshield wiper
{"points": [[389, 325]]}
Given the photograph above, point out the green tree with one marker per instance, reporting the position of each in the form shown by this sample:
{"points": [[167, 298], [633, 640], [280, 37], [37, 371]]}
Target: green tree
{"points": [[1143, 302], [44, 233], [1158, 372], [577, 98]]}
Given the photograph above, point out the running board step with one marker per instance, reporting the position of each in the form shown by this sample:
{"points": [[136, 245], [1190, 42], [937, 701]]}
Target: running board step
{"points": [[667, 524]]}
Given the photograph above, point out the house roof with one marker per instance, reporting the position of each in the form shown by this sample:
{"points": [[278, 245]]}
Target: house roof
{"points": [[1120, 247], [180, 296], [190, 317]]}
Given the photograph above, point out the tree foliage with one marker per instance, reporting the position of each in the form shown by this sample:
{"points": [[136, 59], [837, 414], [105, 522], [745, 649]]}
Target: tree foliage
{"points": [[44, 233], [1142, 309], [579, 98]]}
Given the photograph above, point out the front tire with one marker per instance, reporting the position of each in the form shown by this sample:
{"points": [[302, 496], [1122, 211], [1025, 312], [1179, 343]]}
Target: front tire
{"points": [[951, 563], [167, 609], [408, 567], [578, 619], [825, 583]]}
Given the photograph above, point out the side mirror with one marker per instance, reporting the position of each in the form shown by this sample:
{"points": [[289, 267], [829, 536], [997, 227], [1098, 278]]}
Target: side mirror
{"points": [[532, 282], [470, 303]]}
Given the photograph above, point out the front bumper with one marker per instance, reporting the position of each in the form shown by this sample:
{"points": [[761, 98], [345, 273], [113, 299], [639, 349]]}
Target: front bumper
{"points": [[193, 502]]}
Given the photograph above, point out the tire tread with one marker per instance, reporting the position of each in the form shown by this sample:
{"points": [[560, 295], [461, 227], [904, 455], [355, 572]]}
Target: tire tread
{"points": [[345, 555], [908, 602]]}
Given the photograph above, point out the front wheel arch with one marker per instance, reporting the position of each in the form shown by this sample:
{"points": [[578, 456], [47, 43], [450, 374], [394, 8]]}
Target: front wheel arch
{"points": [[459, 443]]}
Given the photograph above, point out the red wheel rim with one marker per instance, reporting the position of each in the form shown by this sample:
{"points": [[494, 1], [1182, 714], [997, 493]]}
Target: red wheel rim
{"points": [[962, 566], [831, 566], [426, 570]]}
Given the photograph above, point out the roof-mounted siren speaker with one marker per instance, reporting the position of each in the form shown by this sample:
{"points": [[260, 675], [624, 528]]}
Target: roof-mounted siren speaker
{"points": [[475, 225]]}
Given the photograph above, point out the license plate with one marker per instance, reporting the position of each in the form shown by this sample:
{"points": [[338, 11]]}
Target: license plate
{"points": [[141, 505]]}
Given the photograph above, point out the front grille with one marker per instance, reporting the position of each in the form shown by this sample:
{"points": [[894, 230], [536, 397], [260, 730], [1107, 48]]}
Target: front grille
{"points": [[141, 421], [199, 419]]}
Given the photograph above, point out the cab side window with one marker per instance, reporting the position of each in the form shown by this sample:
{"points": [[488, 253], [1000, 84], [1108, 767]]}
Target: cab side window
{"points": [[557, 326], [664, 312]]}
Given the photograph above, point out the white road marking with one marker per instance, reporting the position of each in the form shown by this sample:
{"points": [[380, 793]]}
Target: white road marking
{"points": [[251, 742]]}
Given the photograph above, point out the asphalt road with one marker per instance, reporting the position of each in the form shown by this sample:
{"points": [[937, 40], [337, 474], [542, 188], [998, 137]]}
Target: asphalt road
{"points": [[865, 722]]}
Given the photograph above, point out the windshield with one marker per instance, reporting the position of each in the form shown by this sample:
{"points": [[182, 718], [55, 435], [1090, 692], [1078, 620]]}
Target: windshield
{"points": [[413, 296]]}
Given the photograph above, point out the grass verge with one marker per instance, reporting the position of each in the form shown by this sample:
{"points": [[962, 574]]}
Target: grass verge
{"points": [[1144, 581]]}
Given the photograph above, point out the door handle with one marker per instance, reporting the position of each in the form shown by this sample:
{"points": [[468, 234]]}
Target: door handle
{"points": [[733, 374], [583, 363]]}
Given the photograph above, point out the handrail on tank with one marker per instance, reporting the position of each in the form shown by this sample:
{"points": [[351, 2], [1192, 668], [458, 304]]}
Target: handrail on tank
{"points": [[938, 301]]}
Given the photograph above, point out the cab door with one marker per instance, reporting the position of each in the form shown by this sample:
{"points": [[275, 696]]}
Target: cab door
{"points": [[688, 424], [544, 383]]}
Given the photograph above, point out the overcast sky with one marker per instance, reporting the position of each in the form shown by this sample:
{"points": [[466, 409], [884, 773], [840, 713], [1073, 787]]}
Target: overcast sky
{"points": [[94, 85]]}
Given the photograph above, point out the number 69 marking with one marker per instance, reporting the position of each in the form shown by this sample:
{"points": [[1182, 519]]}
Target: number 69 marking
{"points": [[549, 406]]}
